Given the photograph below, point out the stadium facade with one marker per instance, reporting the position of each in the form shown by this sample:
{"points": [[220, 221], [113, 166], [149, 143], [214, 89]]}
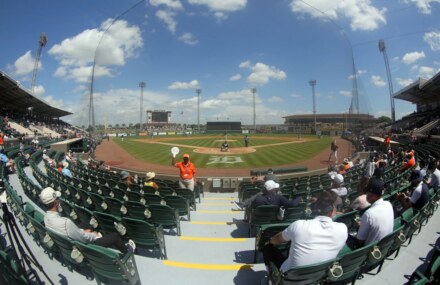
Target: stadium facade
{"points": [[327, 123]]}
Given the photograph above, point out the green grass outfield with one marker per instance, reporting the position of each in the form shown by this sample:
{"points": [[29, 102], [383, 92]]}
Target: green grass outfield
{"points": [[271, 149]]}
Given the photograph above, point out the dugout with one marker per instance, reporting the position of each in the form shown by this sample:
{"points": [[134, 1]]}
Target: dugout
{"points": [[75, 144], [223, 127]]}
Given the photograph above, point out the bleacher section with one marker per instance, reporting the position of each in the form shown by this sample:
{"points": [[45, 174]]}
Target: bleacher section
{"points": [[183, 235]]}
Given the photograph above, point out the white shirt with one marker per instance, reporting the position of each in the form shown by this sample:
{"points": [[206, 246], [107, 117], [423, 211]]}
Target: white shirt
{"points": [[65, 227], [435, 179], [377, 222], [341, 191], [313, 241], [417, 193]]}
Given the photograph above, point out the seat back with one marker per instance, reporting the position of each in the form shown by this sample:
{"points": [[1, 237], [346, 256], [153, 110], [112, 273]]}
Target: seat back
{"points": [[264, 233], [106, 222], [137, 210], [187, 194], [109, 265], [165, 216], [292, 214], [265, 214], [351, 263], [180, 203], [65, 246], [146, 235], [303, 275]]}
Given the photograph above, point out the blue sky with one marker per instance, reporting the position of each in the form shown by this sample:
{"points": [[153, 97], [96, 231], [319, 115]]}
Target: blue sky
{"points": [[224, 48]]}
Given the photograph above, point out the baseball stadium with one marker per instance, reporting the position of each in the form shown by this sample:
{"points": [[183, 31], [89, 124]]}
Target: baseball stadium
{"points": [[238, 187]]}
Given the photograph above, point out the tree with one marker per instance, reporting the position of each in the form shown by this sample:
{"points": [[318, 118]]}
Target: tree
{"points": [[384, 119]]}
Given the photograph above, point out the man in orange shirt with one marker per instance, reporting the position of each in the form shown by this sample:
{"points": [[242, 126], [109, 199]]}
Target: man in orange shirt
{"points": [[187, 172], [2, 142], [411, 161]]}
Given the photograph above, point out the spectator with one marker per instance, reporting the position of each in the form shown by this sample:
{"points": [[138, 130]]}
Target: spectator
{"points": [[10, 166], [269, 196], [187, 172], [66, 171], [2, 142], [270, 176], [410, 161], [338, 188], [422, 168], [313, 241], [419, 192], [435, 175], [378, 221], [64, 226], [150, 182]]}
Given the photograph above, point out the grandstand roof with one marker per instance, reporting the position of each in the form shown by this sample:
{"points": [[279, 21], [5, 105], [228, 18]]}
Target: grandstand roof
{"points": [[17, 98], [421, 91]]}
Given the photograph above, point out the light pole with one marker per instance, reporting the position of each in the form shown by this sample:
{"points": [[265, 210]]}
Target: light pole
{"points": [[198, 91], [383, 50], [141, 85], [254, 90], [41, 43], [313, 83]]}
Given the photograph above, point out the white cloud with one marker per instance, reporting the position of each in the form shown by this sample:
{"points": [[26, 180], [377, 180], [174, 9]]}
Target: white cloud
{"points": [[359, 72], [426, 72], [184, 85], [377, 81], [39, 90], [362, 14], [245, 64], [188, 38], [222, 6], [173, 4], [24, 64], [412, 57], [76, 54], [404, 82], [235, 77], [241, 96], [345, 93], [167, 17], [433, 39], [423, 5], [296, 96], [262, 73], [214, 104], [275, 99]]}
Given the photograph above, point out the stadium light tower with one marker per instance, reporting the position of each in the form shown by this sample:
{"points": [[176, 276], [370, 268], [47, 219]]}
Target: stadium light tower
{"points": [[383, 50], [141, 85], [313, 83], [41, 43], [198, 91], [254, 90]]}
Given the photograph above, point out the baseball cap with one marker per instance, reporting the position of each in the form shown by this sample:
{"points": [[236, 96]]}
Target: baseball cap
{"points": [[48, 195], [270, 184], [338, 178], [375, 186], [186, 155]]}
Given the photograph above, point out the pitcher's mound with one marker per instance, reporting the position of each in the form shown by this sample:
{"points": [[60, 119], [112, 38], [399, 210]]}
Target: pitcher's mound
{"points": [[234, 150]]}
